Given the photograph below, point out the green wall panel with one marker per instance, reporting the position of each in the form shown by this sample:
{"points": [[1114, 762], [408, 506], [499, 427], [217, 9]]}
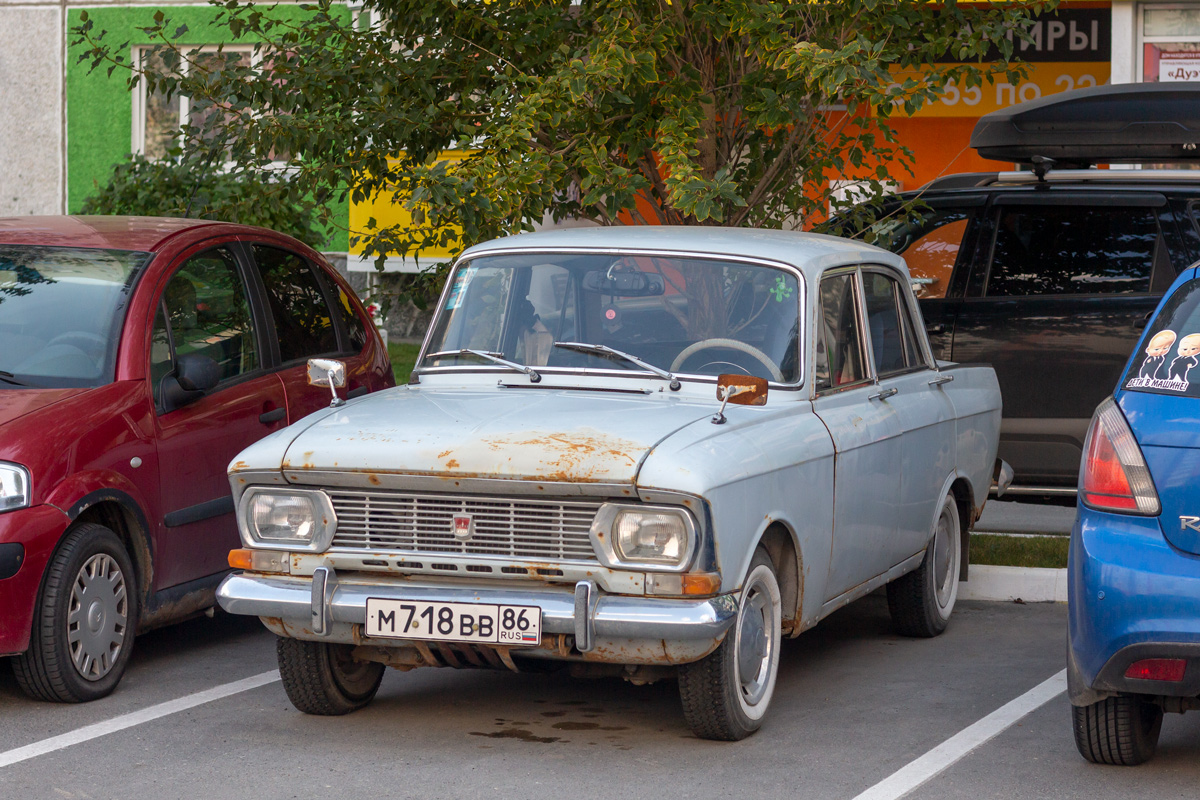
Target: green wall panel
{"points": [[100, 106]]}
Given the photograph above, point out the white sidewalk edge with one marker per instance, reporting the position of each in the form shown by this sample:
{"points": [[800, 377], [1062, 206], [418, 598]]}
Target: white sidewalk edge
{"points": [[1031, 584]]}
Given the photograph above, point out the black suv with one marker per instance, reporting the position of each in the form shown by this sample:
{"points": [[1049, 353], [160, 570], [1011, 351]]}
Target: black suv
{"points": [[1050, 273]]}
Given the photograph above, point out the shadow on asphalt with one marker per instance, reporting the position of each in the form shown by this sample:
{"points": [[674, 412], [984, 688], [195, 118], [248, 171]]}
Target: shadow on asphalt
{"points": [[160, 646]]}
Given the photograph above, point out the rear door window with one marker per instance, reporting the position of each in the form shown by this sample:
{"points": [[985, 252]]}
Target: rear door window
{"points": [[1171, 351], [893, 344], [1072, 249], [303, 321]]}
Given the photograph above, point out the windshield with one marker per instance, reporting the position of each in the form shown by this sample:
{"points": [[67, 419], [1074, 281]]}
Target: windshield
{"points": [[692, 316], [1172, 350], [61, 310]]}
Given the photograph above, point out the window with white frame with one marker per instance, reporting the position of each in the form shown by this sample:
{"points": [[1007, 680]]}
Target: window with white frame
{"points": [[1170, 38], [157, 119]]}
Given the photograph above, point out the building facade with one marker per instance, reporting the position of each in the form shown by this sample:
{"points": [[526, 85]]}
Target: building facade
{"points": [[64, 126]]}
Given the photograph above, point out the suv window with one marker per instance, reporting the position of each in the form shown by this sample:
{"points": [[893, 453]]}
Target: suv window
{"points": [[839, 358], [930, 244], [303, 322], [892, 342], [207, 313], [1056, 250]]}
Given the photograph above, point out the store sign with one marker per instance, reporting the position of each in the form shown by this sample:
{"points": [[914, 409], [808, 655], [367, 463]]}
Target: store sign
{"points": [[1178, 66], [1070, 49]]}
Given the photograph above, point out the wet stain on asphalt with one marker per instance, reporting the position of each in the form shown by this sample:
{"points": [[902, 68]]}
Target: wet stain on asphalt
{"points": [[518, 733], [587, 726]]}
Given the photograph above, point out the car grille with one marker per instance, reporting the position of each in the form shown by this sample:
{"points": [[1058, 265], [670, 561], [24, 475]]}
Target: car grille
{"points": [[541, 530]]}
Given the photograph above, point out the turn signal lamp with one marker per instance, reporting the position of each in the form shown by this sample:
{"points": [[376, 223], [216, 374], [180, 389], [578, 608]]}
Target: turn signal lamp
{"points": [[1114, 475], [1157, 669]]}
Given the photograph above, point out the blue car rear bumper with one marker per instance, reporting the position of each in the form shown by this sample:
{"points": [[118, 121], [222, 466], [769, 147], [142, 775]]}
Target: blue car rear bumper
{"points": [[1132, 596]]}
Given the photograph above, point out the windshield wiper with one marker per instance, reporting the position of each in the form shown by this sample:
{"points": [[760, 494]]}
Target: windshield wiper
{"points": [[608, 352], [8, 377], [490, 356]]}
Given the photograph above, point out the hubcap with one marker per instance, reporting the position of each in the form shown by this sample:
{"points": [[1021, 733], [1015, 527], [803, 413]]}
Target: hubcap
{"points": [[754, 644], [97, 617], [945, 543]]}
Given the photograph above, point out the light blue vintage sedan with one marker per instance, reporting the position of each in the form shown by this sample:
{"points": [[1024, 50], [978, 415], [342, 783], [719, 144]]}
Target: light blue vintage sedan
{"points": [[644, 452]]}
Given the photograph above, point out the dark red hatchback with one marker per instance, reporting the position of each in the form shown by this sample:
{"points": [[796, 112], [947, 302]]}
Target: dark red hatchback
{"points": [[138, 356]]}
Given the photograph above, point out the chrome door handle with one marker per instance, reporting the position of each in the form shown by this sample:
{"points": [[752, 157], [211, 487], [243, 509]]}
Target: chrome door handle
{"points": [[883, 394], [940, 379]]}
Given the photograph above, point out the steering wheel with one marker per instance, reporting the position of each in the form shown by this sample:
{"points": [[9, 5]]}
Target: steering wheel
{"points": [[731, 344], [88, 342]]}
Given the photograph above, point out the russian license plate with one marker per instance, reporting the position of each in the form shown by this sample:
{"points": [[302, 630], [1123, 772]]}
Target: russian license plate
{"points": [[454, 622]]}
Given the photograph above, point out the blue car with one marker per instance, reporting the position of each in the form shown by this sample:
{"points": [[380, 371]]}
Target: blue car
{"points": [[1134, 643]]}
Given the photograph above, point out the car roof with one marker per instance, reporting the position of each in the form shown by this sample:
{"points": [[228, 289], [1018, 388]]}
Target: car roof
{"points": [[809, 252], [115, 233]]}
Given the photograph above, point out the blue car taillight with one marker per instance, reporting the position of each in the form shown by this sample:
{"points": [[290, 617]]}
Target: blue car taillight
{"points": [[1114, 476]]}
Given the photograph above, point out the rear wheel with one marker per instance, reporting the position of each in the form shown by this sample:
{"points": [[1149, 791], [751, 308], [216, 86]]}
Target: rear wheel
{"points": [[921, 601], [323, 679], [85, 619], [1122, 731], [726, 694]]}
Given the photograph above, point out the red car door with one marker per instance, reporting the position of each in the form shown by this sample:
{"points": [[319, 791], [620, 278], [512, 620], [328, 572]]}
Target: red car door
{"points": [[204, 318], [312, 318]]}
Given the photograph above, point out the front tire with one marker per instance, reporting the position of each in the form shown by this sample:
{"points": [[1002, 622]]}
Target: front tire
{"points": [[323, 679], [726, 694], [85, 620], [921, 601], [1121, 731]]}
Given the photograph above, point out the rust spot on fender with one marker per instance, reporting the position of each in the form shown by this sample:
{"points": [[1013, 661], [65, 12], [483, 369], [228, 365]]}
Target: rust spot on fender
{"points": [[444, 453], [373, 479], [452, 464], [238, 466]]}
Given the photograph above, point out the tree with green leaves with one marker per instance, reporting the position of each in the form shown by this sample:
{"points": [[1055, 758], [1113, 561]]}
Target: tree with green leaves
{"points": [[692, 112], [191, 187]]}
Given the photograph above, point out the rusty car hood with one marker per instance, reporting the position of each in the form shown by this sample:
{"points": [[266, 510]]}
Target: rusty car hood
{"points": [[564, 435]]}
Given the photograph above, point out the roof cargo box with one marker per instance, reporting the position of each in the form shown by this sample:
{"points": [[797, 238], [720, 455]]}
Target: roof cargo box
{"points": [[1127, 123]]}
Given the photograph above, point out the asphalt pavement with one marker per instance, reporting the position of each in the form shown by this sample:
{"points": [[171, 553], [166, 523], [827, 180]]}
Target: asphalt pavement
{"points": [[855, 705]]}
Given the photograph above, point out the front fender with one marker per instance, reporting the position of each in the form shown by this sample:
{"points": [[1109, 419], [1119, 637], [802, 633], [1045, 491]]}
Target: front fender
{"points": [[83, 490]]}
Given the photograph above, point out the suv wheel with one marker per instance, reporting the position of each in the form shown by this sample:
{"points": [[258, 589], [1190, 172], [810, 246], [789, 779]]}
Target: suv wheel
{"points": [[84, 622]]}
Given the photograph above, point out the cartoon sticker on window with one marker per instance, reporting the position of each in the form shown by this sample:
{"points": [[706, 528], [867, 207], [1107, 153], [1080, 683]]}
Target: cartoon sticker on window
{"points": [[1155, 372]]}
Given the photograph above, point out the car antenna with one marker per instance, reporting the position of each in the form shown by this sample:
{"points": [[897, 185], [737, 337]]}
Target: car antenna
{"points": [[1042, 165]]}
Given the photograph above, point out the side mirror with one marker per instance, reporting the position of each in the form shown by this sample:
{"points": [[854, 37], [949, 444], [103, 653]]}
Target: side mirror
{"points": [[742, 390], [193, 376], [197, 373], [328, 372]]}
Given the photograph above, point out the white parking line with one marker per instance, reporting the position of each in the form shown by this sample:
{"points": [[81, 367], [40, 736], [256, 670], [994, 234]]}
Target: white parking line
{"points": [[906, 779], [89, 732]]}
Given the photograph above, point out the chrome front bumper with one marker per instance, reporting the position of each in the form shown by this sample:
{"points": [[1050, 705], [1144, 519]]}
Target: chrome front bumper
{"points": [[606, 627]]}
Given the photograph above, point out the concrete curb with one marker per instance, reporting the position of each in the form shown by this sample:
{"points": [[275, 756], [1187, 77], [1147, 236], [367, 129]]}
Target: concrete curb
{"points": [[1005, 584]]}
